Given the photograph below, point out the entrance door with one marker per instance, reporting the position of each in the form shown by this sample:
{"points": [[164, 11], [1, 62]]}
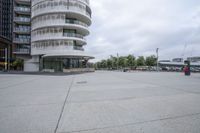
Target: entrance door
{"points": [[53, 64], [58, 66]]}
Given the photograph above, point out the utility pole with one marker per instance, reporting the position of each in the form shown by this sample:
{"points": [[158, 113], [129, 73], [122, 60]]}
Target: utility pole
{"points": [[157, 50], [6, 59], [111, 60], [117, 61]]}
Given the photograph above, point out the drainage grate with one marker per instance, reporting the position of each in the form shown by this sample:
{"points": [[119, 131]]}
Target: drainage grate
{"points": [[82, 82]]}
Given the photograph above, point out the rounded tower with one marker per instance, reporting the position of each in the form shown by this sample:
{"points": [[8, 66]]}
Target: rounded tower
{"points": [[58, 31]]}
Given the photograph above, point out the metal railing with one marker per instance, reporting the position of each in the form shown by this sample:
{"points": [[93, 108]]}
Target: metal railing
{"points": [[37, 1], [22, 29], [22, 9], [78, 48], [22, 51], [86, 1], [22, 40], [75, 22], [22, 19], [48, 9], [74, 35]]}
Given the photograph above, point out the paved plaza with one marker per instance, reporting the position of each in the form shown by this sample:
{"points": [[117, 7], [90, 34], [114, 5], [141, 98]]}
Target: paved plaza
{"points": [[100, 102]]}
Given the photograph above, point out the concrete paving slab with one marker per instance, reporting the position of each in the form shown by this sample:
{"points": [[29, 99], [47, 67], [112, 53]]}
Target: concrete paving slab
{"points": [[31, 104], [86, 116], [187, 124], [100, 102], [118, 91], [29, 119], [110, 100], [43, 90]]}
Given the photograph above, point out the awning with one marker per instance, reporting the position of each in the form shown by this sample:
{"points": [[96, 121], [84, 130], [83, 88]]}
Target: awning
{"points": [[71, 55]]}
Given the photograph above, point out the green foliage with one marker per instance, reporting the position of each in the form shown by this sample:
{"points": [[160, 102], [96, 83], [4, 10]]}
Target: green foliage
{"points": [[125, 62], [18, 63], [131, 61], [141, 61], [109, 63], [151, 60], [122, 62], [114, 62], [103, 64]]}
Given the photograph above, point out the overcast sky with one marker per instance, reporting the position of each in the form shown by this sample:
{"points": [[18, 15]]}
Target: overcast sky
{"points": [[140, 26]]}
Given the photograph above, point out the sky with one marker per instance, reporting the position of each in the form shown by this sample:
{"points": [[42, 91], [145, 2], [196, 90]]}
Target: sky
{"points": [[138, 27]]}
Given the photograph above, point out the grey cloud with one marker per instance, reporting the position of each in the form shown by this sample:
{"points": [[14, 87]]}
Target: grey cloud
{"points": [[139, 27]]}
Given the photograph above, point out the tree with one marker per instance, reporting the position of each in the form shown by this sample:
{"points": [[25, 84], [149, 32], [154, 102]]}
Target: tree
{"points": [[114, 62], [126, 61], [109, 63], [141, 61], [151, 60], [130, 61], [103, 64], [18, 64], [122, 62]]}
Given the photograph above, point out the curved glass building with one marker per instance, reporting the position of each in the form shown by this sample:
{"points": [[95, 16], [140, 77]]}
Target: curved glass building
{"points": [[58, 32]]}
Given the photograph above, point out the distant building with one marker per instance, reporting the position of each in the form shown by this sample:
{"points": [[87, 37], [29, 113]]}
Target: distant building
{"points": [[164, 61], [177, 60], [6, 8], [194, 59]]}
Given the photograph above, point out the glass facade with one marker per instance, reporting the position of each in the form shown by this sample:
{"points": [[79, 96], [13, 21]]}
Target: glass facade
{"points": [[6, 8], [6, 19], [58, 64]]}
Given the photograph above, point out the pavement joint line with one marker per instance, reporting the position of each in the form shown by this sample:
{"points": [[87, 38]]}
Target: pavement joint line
{"points": [[120, 99], [63, 107], [192, 92], [27, 105], [104, 100], [136, 123], [18, 84]]}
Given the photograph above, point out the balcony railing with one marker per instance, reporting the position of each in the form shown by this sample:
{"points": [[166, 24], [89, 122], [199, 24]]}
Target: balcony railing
{"points": [[23, 9], [75, 22], [22, 51], [78, 48], [37, 1], [21, 40], [86, 1], [23, 0], [74, 35], [22, 19], [22, 29], [28, 2], [36, 10]]}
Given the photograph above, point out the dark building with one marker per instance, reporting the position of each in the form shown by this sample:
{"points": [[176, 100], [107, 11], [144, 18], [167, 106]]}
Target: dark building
{"points": [[6, 17]]}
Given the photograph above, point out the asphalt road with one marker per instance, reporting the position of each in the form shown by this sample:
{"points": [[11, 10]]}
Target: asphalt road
{"points": [[100, 102]]}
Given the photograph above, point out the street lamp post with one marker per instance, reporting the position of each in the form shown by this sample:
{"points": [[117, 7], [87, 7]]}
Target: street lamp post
{"points": [[6, 59], [157, 50], [111, 60], [117, 61]]}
